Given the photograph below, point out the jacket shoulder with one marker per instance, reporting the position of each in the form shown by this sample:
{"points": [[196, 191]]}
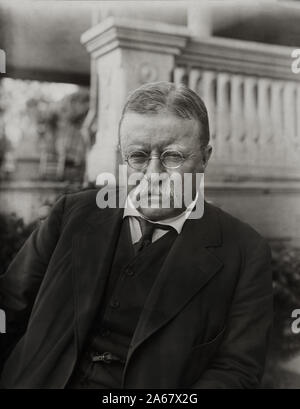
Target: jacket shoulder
{"points": [[80, 204], [234, 229], [81, 198]]}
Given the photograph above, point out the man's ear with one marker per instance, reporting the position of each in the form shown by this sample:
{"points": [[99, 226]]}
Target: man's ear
{"points": [[206, 153]]}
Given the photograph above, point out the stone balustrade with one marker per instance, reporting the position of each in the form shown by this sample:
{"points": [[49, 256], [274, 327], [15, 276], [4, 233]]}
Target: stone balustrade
{"points": [[253, 101]]}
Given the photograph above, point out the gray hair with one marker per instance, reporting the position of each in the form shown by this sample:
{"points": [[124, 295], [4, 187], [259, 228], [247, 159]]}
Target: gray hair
{"points": [[153, 97]]}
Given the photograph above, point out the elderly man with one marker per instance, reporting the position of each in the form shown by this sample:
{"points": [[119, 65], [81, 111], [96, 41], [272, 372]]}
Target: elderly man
{"points": [[144, 296]]}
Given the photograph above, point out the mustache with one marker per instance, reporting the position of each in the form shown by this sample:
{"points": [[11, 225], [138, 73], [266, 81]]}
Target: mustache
{"points": [[148, 187], [156, 191]]}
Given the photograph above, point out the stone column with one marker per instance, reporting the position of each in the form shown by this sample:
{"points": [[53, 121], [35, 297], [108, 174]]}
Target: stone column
{"points": [[200, 17], [127, 53]]}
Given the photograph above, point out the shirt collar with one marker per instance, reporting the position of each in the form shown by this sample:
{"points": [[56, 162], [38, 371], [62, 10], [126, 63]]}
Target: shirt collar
{"points": [[176, 222]]}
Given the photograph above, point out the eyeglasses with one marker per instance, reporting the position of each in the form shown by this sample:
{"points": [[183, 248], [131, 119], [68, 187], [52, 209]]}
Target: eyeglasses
{"points": [[170, 159]]}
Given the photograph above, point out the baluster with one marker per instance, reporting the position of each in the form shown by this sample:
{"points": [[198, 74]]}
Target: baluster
{"points": [[264, 122], [297, 133], [237, 119], [194, 81], [289, 121], [276, 110], [296, 129], [251, 120], [180, 75], [223, 117], [209, 96]]}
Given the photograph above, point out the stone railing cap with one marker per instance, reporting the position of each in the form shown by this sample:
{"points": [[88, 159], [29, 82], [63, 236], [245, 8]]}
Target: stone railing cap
{"points": [[126, 32]]}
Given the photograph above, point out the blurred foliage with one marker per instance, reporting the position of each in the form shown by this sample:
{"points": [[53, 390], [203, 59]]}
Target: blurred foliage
{"points": [[74, 107], [58, 124], [13, 233], [71, 109], [286, 279], [44, 120], [3, 148], [284, 343]]}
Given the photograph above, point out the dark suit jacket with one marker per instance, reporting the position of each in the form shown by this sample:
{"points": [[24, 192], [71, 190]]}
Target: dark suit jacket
{"points": [[205, 323]]}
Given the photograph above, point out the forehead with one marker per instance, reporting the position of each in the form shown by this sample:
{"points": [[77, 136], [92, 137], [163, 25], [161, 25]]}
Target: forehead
{"points": [[163, 128]]}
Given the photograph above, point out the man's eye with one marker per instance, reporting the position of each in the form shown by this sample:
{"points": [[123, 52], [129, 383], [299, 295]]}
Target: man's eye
{"points": [[173, 156], [138, 156]]}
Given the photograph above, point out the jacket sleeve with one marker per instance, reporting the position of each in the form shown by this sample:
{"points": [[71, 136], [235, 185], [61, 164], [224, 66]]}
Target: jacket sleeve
{"points": [[239, 362], [21, 282]]}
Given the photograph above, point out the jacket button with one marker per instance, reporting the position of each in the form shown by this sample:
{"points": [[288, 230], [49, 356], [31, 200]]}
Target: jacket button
{"points": [[105, 332], [129, 272], [115, 303]]}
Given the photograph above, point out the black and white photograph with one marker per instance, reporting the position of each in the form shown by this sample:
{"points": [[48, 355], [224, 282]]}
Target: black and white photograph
{"points": [[149, 197]]}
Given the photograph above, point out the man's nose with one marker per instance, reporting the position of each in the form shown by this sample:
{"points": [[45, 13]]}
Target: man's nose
{"points": [[154, 165]]}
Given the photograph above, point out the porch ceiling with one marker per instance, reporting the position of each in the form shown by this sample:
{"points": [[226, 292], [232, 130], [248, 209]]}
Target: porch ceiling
{"points": [[42, 38]]}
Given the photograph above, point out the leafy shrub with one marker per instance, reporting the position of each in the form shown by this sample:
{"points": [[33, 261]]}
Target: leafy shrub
{"points": [[284, 343], [286, 279], [13, 233]]}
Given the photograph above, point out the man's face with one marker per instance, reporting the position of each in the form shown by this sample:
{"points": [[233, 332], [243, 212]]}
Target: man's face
{"points": [[155, 134]]}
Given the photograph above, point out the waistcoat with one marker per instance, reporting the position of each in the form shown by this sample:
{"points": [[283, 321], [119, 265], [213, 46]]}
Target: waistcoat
{"points": [[130, 280]]}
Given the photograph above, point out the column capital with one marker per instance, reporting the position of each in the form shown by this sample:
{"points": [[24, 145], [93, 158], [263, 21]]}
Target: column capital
{"points": [[115, 32]]}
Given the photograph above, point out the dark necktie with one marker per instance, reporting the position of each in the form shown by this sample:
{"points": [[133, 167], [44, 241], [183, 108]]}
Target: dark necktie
{"points": [[147, 232]]}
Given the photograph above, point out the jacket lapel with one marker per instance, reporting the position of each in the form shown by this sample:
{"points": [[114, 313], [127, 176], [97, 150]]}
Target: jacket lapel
{"points": [[187, 268], [92, 255]]}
